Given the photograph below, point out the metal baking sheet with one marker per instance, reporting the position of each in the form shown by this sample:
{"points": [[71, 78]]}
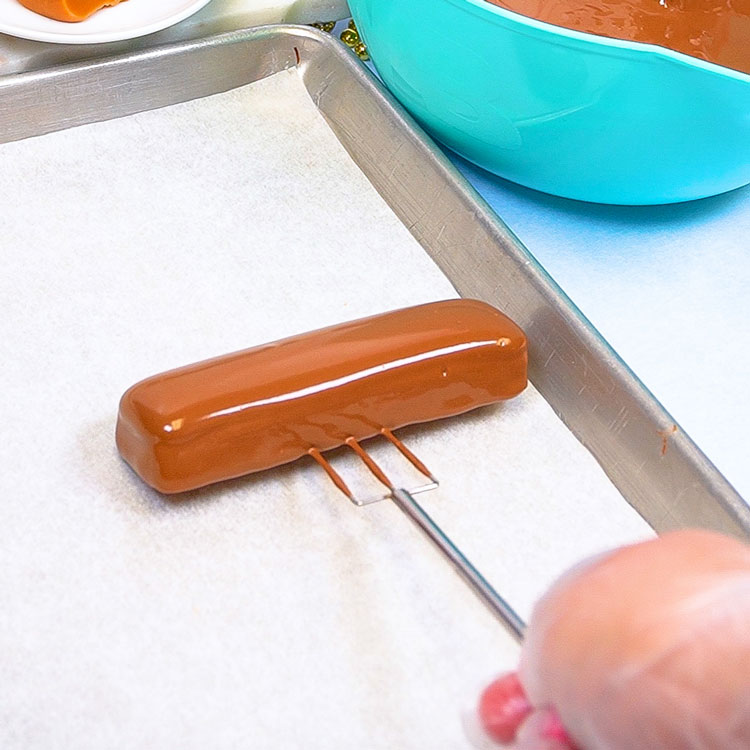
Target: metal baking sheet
{"points": [[653, 463]]}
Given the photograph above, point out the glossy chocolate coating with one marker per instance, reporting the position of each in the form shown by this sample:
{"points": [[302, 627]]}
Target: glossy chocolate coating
{"points": [[713, 30], [269, 405]]}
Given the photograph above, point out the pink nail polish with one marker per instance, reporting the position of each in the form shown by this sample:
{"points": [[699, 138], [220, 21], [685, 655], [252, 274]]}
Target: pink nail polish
{"points": [[502, 708]]}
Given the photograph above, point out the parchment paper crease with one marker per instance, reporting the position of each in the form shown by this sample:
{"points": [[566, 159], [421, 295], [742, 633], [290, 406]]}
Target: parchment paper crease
{"points": [[267, 612]]}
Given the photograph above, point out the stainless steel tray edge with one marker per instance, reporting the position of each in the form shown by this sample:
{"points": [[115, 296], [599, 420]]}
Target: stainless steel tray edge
{"points": [[654, 464], [44, 101], [18, 55]]}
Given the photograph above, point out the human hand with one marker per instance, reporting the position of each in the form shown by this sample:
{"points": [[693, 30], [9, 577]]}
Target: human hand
{"points": [[644, 648]]}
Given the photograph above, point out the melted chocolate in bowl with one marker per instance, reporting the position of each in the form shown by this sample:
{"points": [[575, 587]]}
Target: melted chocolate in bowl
{"points": [[714, 30]]}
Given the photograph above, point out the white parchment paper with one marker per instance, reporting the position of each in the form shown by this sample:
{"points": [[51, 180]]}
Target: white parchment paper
{"points": [[267, 612]]}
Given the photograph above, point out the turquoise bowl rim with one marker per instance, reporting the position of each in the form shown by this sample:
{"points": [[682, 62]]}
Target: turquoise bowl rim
{"points": [[487, 9]]}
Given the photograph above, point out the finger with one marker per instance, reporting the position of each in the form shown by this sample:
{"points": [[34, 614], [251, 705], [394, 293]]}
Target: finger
{"points": [[649, 647], [543, 730]]}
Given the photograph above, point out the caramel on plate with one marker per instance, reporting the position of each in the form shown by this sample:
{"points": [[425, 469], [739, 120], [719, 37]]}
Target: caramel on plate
{"points": [[69, 10], [272, 404]]}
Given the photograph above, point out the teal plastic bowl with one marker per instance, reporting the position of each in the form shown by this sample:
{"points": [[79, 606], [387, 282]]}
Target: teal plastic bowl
{"points": [[561, 111]]}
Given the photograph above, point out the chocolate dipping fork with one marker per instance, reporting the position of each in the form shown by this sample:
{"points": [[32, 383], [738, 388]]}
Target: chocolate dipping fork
{"points": [[407, 504]]}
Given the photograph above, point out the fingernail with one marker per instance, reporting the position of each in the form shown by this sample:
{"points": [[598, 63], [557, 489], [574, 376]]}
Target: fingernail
{"points": [[502, 708]]}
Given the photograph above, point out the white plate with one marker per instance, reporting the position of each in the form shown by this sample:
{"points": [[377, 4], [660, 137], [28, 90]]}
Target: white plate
{"points": [[124, 21]]}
